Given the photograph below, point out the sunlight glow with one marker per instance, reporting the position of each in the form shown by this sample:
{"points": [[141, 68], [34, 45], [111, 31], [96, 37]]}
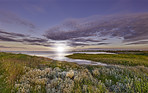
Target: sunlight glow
{"points": [[60, 49]]}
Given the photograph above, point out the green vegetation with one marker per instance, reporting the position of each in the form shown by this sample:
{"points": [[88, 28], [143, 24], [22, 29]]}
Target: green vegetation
{"points": [[21, 73], [123, 59], [13, 66], [136, 52]]}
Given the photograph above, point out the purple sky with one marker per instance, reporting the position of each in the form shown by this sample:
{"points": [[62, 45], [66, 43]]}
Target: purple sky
{"points": [[37, 24]]}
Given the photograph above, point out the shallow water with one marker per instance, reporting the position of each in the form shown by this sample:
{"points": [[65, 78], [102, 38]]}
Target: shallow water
{"points": [[61, 56]]}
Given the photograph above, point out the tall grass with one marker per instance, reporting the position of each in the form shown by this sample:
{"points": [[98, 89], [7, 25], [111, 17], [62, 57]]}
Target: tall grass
{"points": [[21, 73], [13, 66], [123, 59]]}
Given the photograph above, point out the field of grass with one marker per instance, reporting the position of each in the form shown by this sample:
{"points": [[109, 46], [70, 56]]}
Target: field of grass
{"points": [[13, 66], [21, 73], [122, 59]]}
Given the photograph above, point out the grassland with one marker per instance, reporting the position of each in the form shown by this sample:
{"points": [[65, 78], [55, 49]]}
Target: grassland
{"points": [[13, 66], [21, 73], [122, 58]]}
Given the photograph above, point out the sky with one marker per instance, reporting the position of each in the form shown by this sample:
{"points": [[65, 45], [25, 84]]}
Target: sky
{"points": [[42, 25]]}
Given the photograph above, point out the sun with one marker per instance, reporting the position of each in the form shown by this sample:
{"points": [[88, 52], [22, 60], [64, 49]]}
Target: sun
{"points": [[60, 49]]}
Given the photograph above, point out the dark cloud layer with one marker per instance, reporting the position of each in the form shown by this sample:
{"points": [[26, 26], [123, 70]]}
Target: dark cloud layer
{"points": [[33, 39], [85, 40], [102, 43], [13, 34], [26, 39], [130, 27], [139, 42], [74, 44], [94, 30]]}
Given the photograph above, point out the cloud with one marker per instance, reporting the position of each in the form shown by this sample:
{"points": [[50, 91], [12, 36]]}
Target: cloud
{"points": [[74, 44], [102, 43], [4, 47], [10, 17], [34, 39], [26, 39], [11, 47], [9, 36], [139, 42], [12, 34], [128, 28], [3, 38], [85, 40]]}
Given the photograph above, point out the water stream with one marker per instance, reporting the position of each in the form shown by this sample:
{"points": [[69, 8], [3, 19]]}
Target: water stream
{"points": [[61, 56]]}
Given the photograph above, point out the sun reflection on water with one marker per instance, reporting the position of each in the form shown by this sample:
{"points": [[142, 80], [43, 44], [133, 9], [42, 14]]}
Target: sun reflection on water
{"points": [[60, 49]]}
